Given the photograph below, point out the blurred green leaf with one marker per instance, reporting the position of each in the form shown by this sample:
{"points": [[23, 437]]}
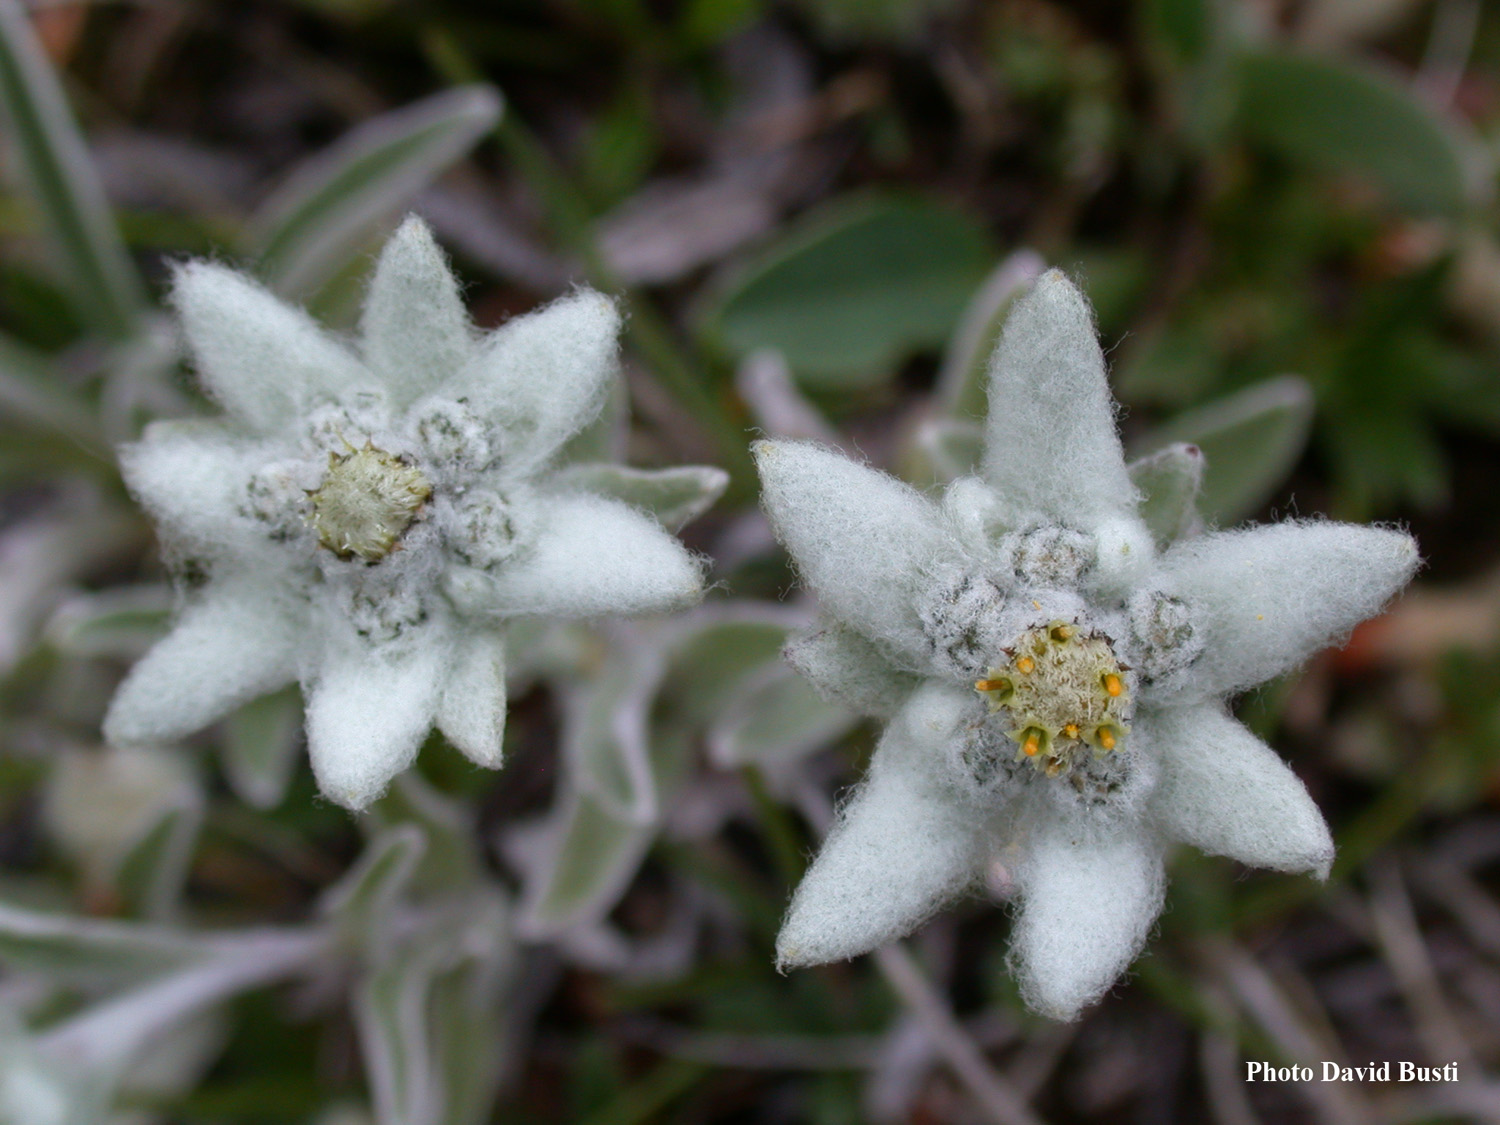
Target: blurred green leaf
{"points": [[89, 951], [307, 231], [606, 736], [1250, 443], [390, 1010], [1186, 26], [361, 902], [942, 450], [259, 748], [64, 184], [674, 496], [1169, 480], [153, 872], [33, 392], [1339, 114], [962, 385], [855, 289], [776, 717]]}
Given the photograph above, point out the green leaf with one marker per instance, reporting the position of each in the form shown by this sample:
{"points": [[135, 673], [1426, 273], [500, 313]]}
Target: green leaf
{"points": [[1169, 480], [1250, 442], [963, 380], [857, 288], [1338, 114], [330, 205], [90, 952], [778, 717], [259, 749], [52, 155], [717, 651], [588, 855], [361, 902], [674, 496], [942, 450], [152, 874], [122, 622], [33, 393], [390, 1011], [606, 735]]}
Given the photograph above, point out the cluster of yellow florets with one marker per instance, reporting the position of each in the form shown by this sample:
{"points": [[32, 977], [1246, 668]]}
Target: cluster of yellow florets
{"points": [[366, 502], [1064, 691]]}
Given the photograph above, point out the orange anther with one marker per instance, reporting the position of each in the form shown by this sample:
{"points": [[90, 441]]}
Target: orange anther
{"points": [[1032, 746], [991, 685], [1106, 738], [1071, 730], [1025, 665], [1113, 684]]}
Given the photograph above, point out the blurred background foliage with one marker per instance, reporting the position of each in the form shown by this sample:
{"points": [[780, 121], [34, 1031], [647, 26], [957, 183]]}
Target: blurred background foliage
{"points": [[816, 212]]}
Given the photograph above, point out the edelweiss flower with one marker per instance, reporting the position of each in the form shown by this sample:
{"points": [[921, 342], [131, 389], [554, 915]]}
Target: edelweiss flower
{"points": [[365, 524], [1055, 687]]}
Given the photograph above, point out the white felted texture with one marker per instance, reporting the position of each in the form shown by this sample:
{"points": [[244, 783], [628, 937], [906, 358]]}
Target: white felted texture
{"points": [[237, 643], [1226, 792], [415, 328], [471, 709], [859, 537], [847, 670], [901, 847], [190, 477], [368, 711], [260, 358], [543, 376], [1051, 449], [595, 556], [1266, 599], [1087, 907]]}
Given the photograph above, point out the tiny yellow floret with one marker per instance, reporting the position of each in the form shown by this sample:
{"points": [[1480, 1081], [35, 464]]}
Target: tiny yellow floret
{"points": [[1025, 665], [1113, 684], [1106, 738], [366, 502]]}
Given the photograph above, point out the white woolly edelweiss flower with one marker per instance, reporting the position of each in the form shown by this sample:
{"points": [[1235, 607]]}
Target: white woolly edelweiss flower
{"points": [[364, 523], [1055, 687]]}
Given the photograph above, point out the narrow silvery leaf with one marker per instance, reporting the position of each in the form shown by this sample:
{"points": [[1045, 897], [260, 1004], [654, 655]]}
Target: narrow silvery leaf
{"points": [[764, 381], [961, 384], [90, 951], [1169, 480], [122, 622], [1250, 442], [588, 858], [364, 896], [304, 233], [945, 449], [468, 1055], [152, 873], [715, 650], [259, 748], [64, 184], [32, 392], [451, 856], [390, 1011], [675, 497], [776, 718], [606, 734]]}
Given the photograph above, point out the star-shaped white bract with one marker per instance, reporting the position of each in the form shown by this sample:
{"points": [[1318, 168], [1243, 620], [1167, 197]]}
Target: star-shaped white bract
{"points": [[365, 519], [1055, 678]]}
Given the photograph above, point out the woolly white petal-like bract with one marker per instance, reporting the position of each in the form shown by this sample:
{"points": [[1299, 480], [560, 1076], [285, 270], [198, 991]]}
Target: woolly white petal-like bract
{"points": [[415, 329], [236, 643], [861, 538], [1267, 598], [902, 846], [595, 556], [368, 711], [1088, 903], [260, 358], [542, 377], [1051, 448], [848, 670], [188, 475], [1226, 792], [471, 709]]}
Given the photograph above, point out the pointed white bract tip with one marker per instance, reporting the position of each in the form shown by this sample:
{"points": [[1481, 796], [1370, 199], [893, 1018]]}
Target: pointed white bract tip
{"points": [[860, 538], [1126, 553], [1087, 908]]}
